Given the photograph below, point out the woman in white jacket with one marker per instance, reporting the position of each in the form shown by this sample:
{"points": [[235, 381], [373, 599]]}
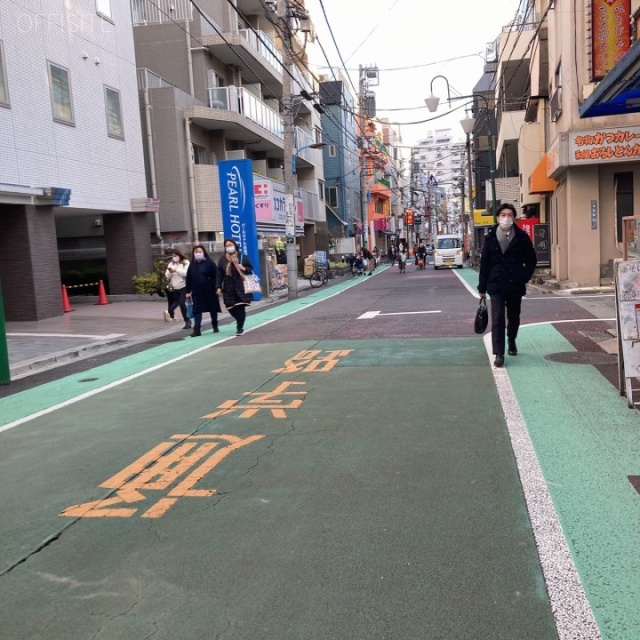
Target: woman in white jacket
{"points": [[176, 274]]}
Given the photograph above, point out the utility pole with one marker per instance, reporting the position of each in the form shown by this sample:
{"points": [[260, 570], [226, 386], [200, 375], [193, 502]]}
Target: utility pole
{"points": [[363, 158], [472, 230], [287, 126]]}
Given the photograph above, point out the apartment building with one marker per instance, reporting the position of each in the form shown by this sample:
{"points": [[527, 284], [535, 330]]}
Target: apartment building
{"points": [[340, 157], [439, 161], [72, 176], [577, 150], [212, 88]]}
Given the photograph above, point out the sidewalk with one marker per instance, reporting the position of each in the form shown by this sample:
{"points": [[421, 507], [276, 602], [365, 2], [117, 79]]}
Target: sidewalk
{"points": [[92, 329]]}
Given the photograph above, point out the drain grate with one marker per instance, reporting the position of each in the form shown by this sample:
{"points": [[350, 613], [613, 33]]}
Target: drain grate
{"points": [[596, 336]]}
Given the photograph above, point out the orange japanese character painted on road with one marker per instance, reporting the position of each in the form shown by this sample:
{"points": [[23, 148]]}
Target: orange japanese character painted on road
{"points": [[310, 362], [161, 469], [263, 400]]}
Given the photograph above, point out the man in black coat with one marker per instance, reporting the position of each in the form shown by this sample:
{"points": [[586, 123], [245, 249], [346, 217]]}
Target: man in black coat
{"points": [[506, 265]]}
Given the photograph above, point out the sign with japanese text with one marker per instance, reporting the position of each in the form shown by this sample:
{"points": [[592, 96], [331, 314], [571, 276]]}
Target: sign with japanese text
{"points": [[618, 144], [238, 208], [263, 197], [611, 34]]}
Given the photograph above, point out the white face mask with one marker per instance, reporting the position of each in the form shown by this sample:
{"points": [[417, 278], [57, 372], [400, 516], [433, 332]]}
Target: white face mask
{"points": [[198, 256], [506, 223], [230, 249]]}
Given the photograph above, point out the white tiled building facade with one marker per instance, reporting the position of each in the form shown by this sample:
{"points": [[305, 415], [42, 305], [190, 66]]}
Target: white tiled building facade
{"points": [[70, 119]]}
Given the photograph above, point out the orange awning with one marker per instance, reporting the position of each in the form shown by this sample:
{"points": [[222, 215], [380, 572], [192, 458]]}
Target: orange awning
{"points": [[538, 180]]}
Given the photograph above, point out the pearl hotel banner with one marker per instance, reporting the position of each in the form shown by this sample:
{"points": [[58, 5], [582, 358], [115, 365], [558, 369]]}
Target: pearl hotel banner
{"points": [[238, 208]]}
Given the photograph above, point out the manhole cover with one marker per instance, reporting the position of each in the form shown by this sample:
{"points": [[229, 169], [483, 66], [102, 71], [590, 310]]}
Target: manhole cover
{"points": [[583, 357]]}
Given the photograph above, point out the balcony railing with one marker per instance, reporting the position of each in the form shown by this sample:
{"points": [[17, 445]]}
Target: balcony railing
{"points": [[262, 43], [159, 11], [241, 101]]}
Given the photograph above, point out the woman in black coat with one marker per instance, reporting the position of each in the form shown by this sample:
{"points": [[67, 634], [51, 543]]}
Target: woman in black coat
{"points": [[232, 267], [201, 288]]}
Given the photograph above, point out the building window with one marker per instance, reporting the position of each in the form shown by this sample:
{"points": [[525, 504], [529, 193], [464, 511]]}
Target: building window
{"points": [[202, 156], [624, 199], [103, 8], [332, 150], [331, 196], [4, 86], [114, 113], [321, 189], [60, 85]]}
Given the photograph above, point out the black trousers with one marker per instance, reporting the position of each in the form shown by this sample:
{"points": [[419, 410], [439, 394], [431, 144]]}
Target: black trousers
{"points": [[239, 313], [504, 308], [176, 298]]}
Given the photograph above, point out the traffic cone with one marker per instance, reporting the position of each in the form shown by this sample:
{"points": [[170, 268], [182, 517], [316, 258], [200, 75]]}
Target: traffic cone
{"points": [[66, 305], [102, 295]]}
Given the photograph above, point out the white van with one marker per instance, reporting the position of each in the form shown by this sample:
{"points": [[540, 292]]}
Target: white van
{"points": [[448, 252]]}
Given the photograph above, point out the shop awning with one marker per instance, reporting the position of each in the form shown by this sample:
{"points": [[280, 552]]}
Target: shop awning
{"points": [[619, 92], [539, 182], [335, 214]]}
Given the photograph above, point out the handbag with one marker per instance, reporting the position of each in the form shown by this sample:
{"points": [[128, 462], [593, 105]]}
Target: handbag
{"points": [[482, 317], [251, 284]]}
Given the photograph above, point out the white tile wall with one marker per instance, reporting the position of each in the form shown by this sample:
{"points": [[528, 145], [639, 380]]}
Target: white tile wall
{"points": [[103, 173]]}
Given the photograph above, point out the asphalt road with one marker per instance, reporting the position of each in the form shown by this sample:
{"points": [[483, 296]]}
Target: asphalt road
{"points": [[340, 472]]}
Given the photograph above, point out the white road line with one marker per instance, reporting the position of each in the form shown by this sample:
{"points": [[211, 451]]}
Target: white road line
{"points": [[467, 286], [374, 314], [167, 363], [108, 336], [568, 599]]}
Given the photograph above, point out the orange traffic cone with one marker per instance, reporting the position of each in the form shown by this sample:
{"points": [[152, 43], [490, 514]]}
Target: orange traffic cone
{"points": [[66, 305], [102, 295]]}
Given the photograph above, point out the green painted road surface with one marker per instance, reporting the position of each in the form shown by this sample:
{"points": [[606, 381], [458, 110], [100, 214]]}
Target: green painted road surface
{"points": [[385, 503]]}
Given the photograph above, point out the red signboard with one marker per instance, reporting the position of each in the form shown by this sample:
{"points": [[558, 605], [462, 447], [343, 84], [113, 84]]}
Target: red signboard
{"points": [[527, 224], [610, 36]]}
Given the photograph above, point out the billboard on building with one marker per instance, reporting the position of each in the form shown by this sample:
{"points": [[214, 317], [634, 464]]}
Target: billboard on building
{"points": [[610, 34]]}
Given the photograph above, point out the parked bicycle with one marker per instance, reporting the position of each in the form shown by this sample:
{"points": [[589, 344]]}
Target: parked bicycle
{"points": [[319, 276]]}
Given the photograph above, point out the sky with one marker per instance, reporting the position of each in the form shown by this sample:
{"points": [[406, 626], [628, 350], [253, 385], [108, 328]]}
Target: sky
{"points": [[411, 43]]}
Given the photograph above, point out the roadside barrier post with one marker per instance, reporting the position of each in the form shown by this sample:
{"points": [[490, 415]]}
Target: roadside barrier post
{"points": [[5, 374]]}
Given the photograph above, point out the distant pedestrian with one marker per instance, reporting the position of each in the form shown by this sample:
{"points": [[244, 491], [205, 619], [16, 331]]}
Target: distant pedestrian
{"points": [[232, 266], [176, 276], [506, 265], [402, 258], [368, 260], [201, 287]]}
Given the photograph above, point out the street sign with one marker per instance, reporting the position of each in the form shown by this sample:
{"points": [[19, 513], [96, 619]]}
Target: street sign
{"points": [[291, 240], [290, 225]]}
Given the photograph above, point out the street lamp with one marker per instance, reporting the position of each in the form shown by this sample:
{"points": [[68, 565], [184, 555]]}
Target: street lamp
{"points": [[290, 228], [315, 145], [467, 125], [432, 104]]}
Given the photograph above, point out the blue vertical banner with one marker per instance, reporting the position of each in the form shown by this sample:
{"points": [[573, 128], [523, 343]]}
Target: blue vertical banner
{"points": [[238, 209]]}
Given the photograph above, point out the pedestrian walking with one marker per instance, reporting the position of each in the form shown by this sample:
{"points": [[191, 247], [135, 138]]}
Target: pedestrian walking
{"points": [[201, 288], [176, 276], [506, 265], [368, 260], [402, 258], [232, 267]]}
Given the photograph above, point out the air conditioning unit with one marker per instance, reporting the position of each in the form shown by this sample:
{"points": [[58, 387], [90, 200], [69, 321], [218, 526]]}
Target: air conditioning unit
{"points": [[555, 104], [235, 155]]}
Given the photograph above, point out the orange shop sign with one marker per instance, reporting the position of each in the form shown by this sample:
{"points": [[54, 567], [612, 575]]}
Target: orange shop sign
{"points": [[611, 34], [598, 146]]}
